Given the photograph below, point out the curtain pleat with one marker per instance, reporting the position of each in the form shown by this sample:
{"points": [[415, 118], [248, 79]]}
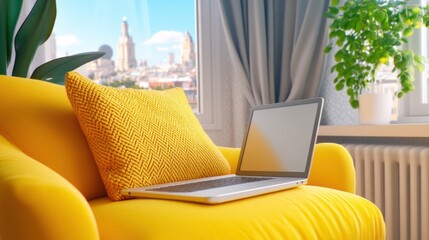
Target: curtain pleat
{"points": [[276, 47]]}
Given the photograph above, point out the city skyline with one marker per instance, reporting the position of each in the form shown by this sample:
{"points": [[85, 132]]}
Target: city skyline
{"points": [[126, 72], [157, 27]]}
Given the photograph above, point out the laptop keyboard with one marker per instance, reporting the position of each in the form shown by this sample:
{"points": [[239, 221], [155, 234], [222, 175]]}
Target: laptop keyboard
{"points": [[209, 184]]}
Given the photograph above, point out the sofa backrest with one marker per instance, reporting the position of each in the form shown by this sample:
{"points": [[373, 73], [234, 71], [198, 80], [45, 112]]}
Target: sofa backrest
{"points": [[37, 117]]}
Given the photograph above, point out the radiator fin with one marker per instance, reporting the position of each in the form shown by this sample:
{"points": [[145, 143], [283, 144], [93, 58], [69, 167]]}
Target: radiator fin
{"points": [[396, 179]]}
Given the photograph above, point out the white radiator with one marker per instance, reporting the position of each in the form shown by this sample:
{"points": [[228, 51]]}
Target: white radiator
{"points": [[396, 179]]}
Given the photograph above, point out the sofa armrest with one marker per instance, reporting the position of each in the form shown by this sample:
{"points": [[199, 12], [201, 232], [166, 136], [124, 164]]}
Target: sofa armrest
{"points": [[38, 203], [333, 167], [232, 155]]}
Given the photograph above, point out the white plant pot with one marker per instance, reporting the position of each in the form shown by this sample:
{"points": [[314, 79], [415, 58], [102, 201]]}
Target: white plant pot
{"points": [[375, 108]]}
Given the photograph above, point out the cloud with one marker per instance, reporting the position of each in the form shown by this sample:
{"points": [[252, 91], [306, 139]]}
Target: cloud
{"points": [[171, 48], [67, 40], [178, 46], [163, 49], [165, 37]]}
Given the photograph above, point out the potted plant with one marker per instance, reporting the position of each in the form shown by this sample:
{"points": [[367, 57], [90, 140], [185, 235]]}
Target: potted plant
{"points": [[368, 34], [33, 32]]}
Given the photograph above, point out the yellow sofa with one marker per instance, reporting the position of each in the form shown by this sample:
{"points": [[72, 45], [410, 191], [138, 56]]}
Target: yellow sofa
{"points": [[50, 188]]}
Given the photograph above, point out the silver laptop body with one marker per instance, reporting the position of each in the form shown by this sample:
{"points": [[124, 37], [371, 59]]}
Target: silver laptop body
{"points": [[276, 154]]}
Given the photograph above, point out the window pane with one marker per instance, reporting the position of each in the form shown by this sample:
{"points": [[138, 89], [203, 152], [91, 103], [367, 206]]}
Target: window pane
{"points": [[424, 87], [149, 44]]}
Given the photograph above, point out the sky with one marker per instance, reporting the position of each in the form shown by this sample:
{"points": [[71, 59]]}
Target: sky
{"points": [[156, 26]]}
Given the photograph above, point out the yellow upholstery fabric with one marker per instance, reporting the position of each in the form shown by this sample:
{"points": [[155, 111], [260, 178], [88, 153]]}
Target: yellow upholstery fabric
{"points": [[37, 203], [37, 117], [333, 159], [232, 155], [142, 137], [306, 212]]}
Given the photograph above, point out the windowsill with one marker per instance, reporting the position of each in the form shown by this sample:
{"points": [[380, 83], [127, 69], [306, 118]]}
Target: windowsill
{"points": [[390, 130]]}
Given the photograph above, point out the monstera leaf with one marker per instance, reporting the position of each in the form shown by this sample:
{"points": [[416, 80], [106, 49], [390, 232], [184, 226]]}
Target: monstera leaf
{"points": [[34, 31], [55, 70], [9, 14]]}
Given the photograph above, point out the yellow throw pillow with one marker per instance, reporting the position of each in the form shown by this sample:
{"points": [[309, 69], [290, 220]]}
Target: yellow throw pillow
{"points": [[142, 137]]}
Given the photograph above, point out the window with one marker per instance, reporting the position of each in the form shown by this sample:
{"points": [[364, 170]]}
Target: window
{"points": [[418, 102], [149, 44], [205, 32], [415, 106]]}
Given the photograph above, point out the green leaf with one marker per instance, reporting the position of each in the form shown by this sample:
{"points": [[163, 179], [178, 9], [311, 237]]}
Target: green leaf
{"points": [[335, 3], [339, 86], [359, 26], [380, 16], [408, 87], [354, 103], [419, 62], [404, 40], [426, 19], [339, 42], [333, 11], [35, 30], [56, 69], [9, 14], [332, 34], [408, 32], [405, 77], [328, 48], [338, 56], [385, 25]]}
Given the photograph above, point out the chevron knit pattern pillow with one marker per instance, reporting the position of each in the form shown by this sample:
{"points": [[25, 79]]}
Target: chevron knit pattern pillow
{"points": [[142, 137]]}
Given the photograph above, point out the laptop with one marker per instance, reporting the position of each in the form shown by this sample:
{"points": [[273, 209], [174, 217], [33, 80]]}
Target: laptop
{"points": [[276, 154]]}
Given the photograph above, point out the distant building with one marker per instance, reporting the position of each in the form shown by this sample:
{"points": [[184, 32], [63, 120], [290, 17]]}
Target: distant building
{"points": [[104, 67], [188, 52], [171, 58], [126, 52]]}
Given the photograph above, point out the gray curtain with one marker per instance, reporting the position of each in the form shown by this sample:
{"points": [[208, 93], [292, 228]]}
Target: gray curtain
{"points": [[276, 47]]}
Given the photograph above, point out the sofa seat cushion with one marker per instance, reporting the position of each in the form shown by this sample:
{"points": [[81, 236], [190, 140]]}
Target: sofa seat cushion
{"points": [[306, 212]]}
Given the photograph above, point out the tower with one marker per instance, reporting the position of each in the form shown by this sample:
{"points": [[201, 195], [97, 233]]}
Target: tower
{"points": [[171, 58], [188, 52], [126, 52]]}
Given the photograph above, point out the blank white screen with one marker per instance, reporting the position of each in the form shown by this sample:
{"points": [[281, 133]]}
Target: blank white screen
{"points": [[279, 139]]}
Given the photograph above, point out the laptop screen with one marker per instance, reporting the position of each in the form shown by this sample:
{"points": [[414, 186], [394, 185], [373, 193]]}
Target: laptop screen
{"points": [[280, 139]]}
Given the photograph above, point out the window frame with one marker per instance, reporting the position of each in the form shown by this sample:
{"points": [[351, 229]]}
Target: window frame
{"points": [[208, 60]]}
